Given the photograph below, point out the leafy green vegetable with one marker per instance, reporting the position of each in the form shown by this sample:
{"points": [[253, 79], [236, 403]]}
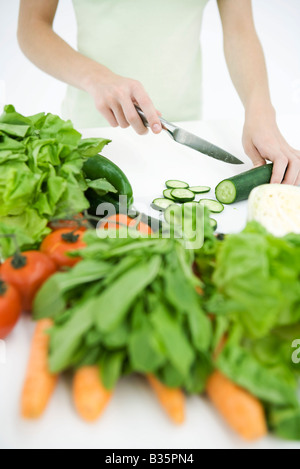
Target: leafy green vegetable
{"points": [[41, 159], [101, 186], [111, 368], [145, 350], [117, 309], [252, 286], [267, 383], [66, 339], [120, 295], [285, 422], [258, 276], [178, 349]]}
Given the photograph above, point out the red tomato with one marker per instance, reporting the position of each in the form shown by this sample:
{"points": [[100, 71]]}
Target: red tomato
{"points": [[57, 244], [10, 308], [27, 272], [70, 224]]}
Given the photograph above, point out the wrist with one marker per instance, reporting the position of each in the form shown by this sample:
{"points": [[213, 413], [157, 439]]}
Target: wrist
{"points": [[92, 78], [260, 107]]}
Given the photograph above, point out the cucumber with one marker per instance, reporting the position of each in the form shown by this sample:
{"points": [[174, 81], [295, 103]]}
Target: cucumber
{"points": [[173, 184], [167, 194], [213, 223], [212, 205], [182, 195], [161, 204], [173, 215], [200, 189], [239, 187], [182, 215]]}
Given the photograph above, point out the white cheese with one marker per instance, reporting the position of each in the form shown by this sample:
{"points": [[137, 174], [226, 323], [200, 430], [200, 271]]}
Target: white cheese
{"points": [[276, 207]]}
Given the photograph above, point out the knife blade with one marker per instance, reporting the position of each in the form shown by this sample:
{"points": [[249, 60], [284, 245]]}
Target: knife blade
{"points": [[193, 141]]}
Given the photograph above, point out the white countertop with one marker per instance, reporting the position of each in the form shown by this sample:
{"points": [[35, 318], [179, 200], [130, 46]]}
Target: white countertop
{"points": [[134, 419]]}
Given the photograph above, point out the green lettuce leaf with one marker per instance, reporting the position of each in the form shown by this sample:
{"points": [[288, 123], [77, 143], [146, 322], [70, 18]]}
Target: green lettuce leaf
{"points": [[41, 160]]}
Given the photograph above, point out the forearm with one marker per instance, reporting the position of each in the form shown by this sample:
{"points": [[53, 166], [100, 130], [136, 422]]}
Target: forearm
{"points": [[247, 67], [53, 55], [114, 96]]}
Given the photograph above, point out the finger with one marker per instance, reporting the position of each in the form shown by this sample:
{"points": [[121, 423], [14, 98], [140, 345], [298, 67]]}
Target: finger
{"points": [[120, 116], [132, 116], [279, 169], [255, 156], [109, 116], [148, 108], [292, 172]]}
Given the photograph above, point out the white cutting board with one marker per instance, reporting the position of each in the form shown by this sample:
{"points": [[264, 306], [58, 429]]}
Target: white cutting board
{"points": [[134, 418]]}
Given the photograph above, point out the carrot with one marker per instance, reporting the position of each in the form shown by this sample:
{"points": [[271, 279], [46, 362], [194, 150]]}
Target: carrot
{"points": [[115, 221], [172, 399], [39, 383], [89, 394], [242, 411], [199, 291], [219, 348]]}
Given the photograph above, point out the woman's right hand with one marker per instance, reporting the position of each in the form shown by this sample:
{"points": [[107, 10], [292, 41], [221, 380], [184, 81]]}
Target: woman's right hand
{"points": [[115, 98]]}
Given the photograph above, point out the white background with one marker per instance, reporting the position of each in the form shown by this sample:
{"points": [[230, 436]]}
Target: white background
{"points": [[277, 23]]}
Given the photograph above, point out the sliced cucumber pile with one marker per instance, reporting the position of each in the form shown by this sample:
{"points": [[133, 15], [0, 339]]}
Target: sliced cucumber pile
{"points": [[181, 215], [183, 195], [173, 184], [179, 204], [213, 205]]}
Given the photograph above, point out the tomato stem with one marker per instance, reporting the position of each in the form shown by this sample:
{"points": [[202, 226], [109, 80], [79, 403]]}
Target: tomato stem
{"points": [[71, 237], [3, 288], [18, 261]]}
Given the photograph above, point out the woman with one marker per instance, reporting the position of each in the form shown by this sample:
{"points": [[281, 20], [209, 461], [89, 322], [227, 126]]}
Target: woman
{"points": [[156, 44]]}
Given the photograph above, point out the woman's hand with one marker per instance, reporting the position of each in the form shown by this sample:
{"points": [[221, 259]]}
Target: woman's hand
{"points": [[115, 98], [263, 141]]}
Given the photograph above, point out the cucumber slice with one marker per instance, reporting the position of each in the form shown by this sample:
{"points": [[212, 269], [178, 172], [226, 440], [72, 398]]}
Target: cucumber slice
{"points": [[167, 194], [184, 215], [200, 189], [173, 184], [161, 204], [213, 205], [213, 223], [183, 195], [173, 215], [239, 187]]}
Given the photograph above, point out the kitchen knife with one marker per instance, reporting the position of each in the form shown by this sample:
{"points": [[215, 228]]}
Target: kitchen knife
{"points": [[190, 140]]}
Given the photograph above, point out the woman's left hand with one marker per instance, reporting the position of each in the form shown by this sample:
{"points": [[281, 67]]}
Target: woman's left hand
{"points": [[263, 141]]}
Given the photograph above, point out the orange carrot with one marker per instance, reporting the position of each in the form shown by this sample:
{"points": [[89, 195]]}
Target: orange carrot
{"points": [[172, 399], [89, 394], [199, 291], [119, 220], [243, 412], [39, 383], [219, 348]]}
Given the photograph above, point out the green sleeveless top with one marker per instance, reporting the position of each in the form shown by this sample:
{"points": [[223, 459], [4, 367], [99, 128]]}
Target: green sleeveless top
{"points": [[154, 41]]}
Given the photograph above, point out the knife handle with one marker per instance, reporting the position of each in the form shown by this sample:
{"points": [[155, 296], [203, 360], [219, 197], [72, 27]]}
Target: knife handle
{"points": [[170, 128]]}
